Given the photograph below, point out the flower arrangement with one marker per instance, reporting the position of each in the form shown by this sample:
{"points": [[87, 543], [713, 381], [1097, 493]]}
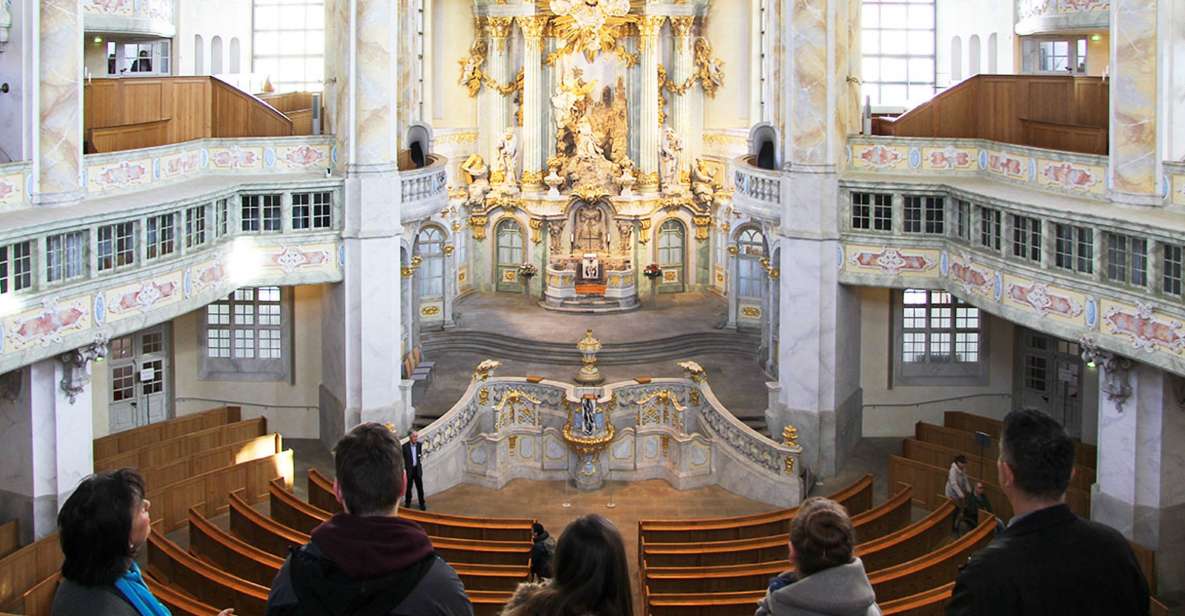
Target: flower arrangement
{"points": [[652, 271], [527, 270]]}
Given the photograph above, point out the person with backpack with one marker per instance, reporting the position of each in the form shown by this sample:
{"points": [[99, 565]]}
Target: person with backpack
{"points": [[542, 552], [367, 561]]}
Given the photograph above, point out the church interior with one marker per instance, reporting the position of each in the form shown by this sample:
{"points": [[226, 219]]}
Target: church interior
{"points": [[682, 263]]}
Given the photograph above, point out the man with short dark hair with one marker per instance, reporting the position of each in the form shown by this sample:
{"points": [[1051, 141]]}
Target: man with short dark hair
{"points": [[542, 551], [367, 560], [1048, 560], [413, 461]]}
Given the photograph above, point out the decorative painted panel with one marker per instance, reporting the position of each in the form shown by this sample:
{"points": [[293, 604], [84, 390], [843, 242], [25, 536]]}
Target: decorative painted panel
{"points": [[891, 261], [1046, 301], [1052, 16], [14, 181], [1143, 327], [45, 325], [135, 299]]}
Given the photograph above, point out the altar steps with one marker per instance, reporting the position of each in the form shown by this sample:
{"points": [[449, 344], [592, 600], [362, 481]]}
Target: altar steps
{"points": [[497, 346]]}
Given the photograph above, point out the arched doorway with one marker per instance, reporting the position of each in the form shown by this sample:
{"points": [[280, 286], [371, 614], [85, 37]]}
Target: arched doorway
{"points": [[672, 250], [751, 279], [509, 236], [430, 276]]}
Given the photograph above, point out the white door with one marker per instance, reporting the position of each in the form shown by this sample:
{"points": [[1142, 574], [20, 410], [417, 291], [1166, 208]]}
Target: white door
{"points": [[139, 372], [1050, 379]]}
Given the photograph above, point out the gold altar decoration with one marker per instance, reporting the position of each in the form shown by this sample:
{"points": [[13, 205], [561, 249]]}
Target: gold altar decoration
{"points": [[709, 70], [773, 272], [733, 251], [588, 346], [483, 396], [662, 98], [693, 397], [589, 193], [485, 369], [790, 436], [664, 399], [694, 371], [649, 178], [477, 223], [409, 270], [516, 400], [588, 445], [644, 232], [532, 177], [590, 27], [536, 225], [472, 75], [449, 249], [702, 226], [789, 465], [430, 310]]}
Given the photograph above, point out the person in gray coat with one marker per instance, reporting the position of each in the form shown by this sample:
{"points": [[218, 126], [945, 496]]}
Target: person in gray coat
{"points": [[827, 579]]}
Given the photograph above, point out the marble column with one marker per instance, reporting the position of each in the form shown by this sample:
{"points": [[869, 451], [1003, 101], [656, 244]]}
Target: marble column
{"points": [[1140, 489], [57, 117], [680, 72], [1136, 152], [819, 376], [649, 27], [532, 136], [46, 438], [498, 68], [360, 338]]}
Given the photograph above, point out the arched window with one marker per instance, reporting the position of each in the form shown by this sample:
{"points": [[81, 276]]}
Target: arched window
{"points": [[993, 50], [216, 55], [430, 248], [509, 255], [973, 54], [235, 56], [199, 55], [670, 254], [750, 274], [956, 60]]}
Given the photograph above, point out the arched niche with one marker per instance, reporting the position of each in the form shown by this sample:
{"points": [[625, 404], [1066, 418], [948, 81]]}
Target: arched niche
{"points": [[764, 146], [419, 143]]}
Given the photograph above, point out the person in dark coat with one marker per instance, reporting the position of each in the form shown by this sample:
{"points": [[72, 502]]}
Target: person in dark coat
{"points": [[1048, 560], [413, 461], [367, 560], [542, 550]]}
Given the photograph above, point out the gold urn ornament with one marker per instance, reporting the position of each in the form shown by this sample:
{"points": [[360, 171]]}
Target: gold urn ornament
{"points": [[588, 346]]}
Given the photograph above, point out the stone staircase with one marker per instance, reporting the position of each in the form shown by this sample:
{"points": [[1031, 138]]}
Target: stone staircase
{"points": [[498, 346]]}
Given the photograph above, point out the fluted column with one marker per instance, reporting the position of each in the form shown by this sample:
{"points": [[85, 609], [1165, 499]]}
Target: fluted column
{"points": [[532, 136], [681, 71], [498, 63], [1136, 153], [648, 28], [57, 117]]}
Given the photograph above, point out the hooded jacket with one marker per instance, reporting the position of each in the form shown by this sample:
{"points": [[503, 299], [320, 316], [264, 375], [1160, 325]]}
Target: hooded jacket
{"points": [[367, 566], [838, 591]]}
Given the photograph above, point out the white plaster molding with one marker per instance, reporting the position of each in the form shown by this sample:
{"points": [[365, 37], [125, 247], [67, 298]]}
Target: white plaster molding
{"points": [[1116, 371], [75, 372]]}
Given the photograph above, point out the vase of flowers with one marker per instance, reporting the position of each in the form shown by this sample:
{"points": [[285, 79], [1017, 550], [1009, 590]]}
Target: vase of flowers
{"points": [[526, 272], [653, 272]]}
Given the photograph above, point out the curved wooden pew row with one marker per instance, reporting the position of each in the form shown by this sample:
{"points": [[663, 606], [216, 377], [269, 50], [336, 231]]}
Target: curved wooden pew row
{"points": [[926, 603], [941, 456], [934, 569], [1085, 454], [163, 453], [178, 602], [122, 442], [169, 564], [212, 544]]}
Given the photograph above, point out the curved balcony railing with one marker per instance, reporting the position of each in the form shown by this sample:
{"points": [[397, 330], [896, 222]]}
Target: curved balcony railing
{"points": [[1052, 16], [142, 17], [424, 191], [758, 191]]}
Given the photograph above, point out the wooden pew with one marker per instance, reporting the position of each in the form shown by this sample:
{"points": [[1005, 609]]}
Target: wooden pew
{"points": [[229, 553], [211, 490], [885, 519], [259, 530], [940, 456], [911, 542], [933, 569], [28, 566], [169, 564], [435, 524], [179, 603], [164, 453], [856, 497], [10, 537], [36, 601], [1085, 454], [954, 438], [926, 603], [120, 442], [930, 484], [214, 459], [712, 579], [703, 604], [488, 602]]}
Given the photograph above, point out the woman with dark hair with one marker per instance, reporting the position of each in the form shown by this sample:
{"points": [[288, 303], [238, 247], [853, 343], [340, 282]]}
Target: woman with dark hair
{"points": [[828, 579], [591, 576], [102, 527]]}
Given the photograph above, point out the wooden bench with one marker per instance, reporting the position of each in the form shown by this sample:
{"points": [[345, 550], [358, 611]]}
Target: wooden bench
{"points": [[259, 530], [885, 519], [178, 602], [926, 603], [857, 498], [934, 569], [10, 537], [911, 542], [929, 603], [930, 484], [488, 602], [712, 579], [435, 524], [1085, 454], [120, 442], [166, 452], [37, 600], [171, 565], [941, 456], [229, 553], [211, 490], [27, 567], [213, 459]]}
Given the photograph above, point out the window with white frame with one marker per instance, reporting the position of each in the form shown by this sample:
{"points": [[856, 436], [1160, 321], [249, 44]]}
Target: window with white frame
{"points": [[195, 226], [1171, 261], [65, 256], [940, 337], [1074, 249], [222, 216], [1057, 56], [962, 214], [872, 211], [924, 214], [260, 213], [247, 335], [289, 43], [751, 278], [430, 248], [162, 236], [312, 210], [989, 227], [898, 48], [116, 246], [1127, 259], [1026, 237], [16, 267]]}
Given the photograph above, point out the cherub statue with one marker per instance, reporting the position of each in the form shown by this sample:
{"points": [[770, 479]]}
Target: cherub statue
{"points": [[553, 179], [627, 179], [478, 178], [703, 185], [586, 141], [709, 70], [471, 73], [669, 155], [625, 233], [508, 158], [555, 233]]}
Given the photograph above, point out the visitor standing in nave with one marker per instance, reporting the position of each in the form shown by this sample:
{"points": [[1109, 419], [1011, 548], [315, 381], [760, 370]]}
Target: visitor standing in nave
{"points": [[828, 580], [367, 560], [413, 461], [102, 527], [591, 576], [1048, 560]]}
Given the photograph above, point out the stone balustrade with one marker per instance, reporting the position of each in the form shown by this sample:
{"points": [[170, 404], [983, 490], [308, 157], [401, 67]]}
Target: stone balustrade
{"points": [[758, 191], [1054, 16], [140, 17], [424, 191]]}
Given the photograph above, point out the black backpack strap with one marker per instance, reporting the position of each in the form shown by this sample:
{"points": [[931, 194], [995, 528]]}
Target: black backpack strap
{"points": [[371, 597]]}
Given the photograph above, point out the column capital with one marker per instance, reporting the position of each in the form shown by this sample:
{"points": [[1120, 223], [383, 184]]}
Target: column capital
{"points": [[649, 25], [498, 27], [532, 27], [681, 25]]}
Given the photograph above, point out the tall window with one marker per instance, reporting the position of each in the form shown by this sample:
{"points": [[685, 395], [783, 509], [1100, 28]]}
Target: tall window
{"points": [[430, 248], [162, 234], [940, 335], [246, 337], [1171, 270], [16, 267], [962, 212], [116, 246], [989, 228], [195, 226], [1075, 248], [924, 215], [311, 210], [260, 213], [750, 274], [289, 43], [222, 216], [872, 211], [1065, 56], [1026, 237], [1127, 259], [898, 47], [65, 256]]}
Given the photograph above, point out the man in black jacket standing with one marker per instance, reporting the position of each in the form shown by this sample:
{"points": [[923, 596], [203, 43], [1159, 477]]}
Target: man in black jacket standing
{"points": [[1048, 560], [367, 560], [413, 461]]}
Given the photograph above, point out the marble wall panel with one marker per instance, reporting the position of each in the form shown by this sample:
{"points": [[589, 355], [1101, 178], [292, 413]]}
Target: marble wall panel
{"points": [[808, 86], [59, 161], [1134, 71]]}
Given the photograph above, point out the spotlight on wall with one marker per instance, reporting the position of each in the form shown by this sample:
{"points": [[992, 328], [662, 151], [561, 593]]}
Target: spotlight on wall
{"points": [[1096, 37], [1090, 364], [98, 40], [244, 261]]}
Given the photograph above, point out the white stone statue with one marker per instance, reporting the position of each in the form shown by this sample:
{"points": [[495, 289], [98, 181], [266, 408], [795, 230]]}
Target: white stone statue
{"points": [[479, 179], [625, 233], [586, 141], [703, 185], [507, 161], [590, 225], [555, 232], [627, 179], [553, 181], [669, 155]]}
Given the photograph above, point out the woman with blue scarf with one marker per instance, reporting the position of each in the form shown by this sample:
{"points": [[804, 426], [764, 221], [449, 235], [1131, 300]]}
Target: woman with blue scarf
{"points": [[102, 527]]}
